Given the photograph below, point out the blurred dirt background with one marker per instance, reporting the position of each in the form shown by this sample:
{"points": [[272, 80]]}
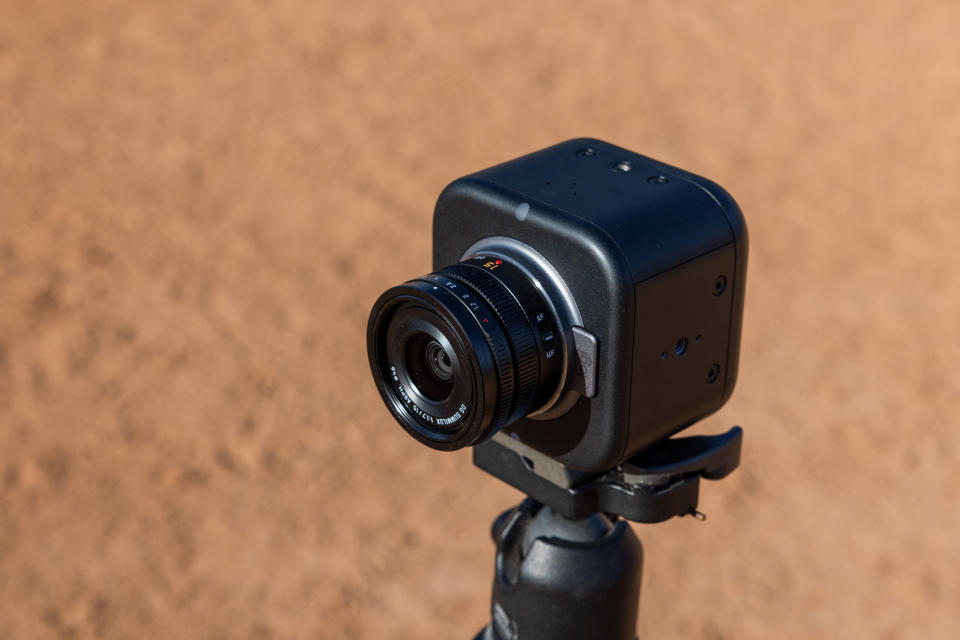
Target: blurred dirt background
{"points": [[199, 202]]}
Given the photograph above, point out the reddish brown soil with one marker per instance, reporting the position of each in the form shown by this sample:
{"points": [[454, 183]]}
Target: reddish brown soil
{"points": [[201, 201]]}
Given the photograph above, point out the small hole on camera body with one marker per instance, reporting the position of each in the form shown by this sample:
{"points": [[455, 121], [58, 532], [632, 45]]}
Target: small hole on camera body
{"points": [[719, 285], [680, 347], [713, 374]]}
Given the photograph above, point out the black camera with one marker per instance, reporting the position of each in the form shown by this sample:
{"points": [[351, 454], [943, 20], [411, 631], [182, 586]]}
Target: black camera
{"points": [[587, 301]]}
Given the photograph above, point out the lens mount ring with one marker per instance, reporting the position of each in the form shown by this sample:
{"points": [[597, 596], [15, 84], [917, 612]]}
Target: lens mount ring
{"points": [[562, 305]]}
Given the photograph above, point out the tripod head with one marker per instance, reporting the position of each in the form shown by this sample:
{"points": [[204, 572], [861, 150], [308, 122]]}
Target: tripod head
{"points": [[566, 566]]}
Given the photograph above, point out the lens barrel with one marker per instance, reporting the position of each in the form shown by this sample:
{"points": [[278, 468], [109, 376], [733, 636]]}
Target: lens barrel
{"points": [[460, 353]]}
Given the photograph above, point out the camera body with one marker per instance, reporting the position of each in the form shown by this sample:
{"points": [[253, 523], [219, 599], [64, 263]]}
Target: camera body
{"points": [[651, 262]]}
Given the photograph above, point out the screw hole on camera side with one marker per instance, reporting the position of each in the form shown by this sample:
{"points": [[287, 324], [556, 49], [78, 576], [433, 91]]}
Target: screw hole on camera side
{"points": [[621, 166], [719, 285], [680, 347], [698, 339], [657, 180], [527, 462], [586, 152], [663, 355], [713, 373]]}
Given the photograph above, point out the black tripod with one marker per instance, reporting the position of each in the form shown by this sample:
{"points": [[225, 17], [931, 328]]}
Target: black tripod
{"points": [[567, 566]]}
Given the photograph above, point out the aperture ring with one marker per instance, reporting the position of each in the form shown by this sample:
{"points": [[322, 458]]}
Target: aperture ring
{"points": [[517, 328]]}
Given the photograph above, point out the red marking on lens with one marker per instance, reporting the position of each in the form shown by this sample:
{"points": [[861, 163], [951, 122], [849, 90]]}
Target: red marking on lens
{"points": [[484, 319], [499, 261]]}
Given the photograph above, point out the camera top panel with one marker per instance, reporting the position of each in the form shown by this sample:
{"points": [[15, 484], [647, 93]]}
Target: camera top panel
{"points": [[659, 215]]}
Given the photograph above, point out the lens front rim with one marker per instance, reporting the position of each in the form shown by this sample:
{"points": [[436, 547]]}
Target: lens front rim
{"points": [[478, 387]]}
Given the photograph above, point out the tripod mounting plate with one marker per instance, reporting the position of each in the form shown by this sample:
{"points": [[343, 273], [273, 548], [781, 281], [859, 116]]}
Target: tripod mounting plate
{"points": [[657, 484]]}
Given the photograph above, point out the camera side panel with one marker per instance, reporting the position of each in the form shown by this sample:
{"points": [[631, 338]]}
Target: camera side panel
{"points": [[682, 340]]}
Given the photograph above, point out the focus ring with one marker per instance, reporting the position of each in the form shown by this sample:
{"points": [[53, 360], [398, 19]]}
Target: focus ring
{"points": [[505, 376], [516, 326]]}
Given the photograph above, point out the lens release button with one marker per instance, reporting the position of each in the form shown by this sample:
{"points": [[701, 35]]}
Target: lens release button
{"points": [[587, 347]]}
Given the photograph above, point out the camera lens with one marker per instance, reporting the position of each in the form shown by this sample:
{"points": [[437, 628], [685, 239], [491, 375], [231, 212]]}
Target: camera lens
{"points": [[460, 353]]}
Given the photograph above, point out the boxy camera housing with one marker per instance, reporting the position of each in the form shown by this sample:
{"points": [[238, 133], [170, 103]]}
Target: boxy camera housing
{"points": [[654, 259]]}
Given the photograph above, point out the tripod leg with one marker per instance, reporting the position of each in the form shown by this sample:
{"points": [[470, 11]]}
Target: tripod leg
{"points": [[559, 579]]}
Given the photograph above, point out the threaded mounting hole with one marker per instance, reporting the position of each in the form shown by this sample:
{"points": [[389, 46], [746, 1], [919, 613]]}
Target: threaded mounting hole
{"points": [[713, 373], [719, 285]]}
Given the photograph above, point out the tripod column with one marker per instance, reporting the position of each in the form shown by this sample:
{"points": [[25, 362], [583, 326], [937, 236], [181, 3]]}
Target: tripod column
{"points": [[559, 579]]}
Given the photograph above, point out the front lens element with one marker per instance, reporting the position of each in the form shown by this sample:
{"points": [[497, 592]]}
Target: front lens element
{"points": [[429, 366], [440, 361]]}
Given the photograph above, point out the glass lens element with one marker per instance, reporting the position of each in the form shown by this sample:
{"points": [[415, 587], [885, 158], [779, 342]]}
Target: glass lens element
{"points": [[429, 367]]}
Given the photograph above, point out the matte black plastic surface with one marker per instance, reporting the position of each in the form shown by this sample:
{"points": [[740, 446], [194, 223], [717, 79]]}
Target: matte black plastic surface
{"points": [[683, 309], [612, 235]]}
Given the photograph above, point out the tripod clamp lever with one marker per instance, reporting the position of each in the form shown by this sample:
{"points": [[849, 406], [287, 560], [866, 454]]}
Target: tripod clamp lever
{"points": [[657, 484]]}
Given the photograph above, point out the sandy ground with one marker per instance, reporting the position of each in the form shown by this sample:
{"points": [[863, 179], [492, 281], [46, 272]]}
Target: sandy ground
{"points": [[199, 203]]}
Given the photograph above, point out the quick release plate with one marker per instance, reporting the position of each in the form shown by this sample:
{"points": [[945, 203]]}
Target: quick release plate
{"points": [[659, 483]]}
